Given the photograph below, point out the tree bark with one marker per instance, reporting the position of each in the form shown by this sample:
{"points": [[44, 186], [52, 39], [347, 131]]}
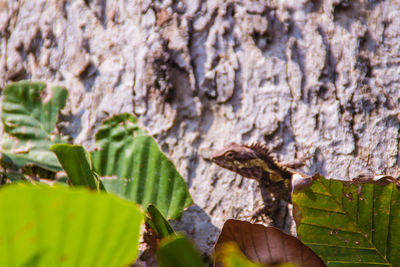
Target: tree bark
{"points": [[295, 75]]}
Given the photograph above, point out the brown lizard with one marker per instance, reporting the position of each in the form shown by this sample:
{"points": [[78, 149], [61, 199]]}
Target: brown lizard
{"points": [[256, 162]]}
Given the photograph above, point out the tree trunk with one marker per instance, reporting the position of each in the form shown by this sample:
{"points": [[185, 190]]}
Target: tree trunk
{"points": [[303, 75]]}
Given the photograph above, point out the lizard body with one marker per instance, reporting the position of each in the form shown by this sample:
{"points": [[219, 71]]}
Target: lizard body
{"points": [[256, 162]]}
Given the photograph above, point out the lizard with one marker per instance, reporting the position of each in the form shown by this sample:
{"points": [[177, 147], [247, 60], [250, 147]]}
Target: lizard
{"points": [[256, 162]]}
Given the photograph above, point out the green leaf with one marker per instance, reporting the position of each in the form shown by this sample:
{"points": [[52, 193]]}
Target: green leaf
{"points": [[178, 251], [76, 162], [136, 169], [350, 223], [158, 222], [231, 256], [58, 226], [29, 115], [13, 176]]}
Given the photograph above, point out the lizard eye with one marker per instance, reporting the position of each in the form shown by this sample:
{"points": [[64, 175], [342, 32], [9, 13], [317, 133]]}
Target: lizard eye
{"points": [[230, 154]]}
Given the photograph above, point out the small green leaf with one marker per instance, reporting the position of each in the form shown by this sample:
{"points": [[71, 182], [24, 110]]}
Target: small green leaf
{"points": [[159, 223], [29, 115], [178, 251], [59, 226], [231, 256], [351, 223], [76, 163], [133, 166], [22, 160], [14, 176]]}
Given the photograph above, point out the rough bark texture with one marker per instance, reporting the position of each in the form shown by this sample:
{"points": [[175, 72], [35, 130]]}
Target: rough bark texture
{"points": [[198, 74]]}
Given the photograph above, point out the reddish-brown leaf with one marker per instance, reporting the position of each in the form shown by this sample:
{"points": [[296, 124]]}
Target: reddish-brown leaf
{"points": [[266, 245]]}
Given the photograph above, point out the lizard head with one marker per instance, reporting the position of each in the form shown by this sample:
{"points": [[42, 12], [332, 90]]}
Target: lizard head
{"points": [[242, 159]]}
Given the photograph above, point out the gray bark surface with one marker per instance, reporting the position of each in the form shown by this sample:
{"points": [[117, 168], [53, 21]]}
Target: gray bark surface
{"points": [[295, 75]]}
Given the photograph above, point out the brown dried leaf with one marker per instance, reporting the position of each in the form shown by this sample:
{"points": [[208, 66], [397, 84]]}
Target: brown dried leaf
{"points": [[364, 178], [266, 245], [301, 182]]}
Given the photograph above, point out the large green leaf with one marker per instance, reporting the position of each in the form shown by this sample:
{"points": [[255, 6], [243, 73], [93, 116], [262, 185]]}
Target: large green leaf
{"points": [[178, 251], [76, 162], [44, 226], [29, 115], [350, 223], [136, 169]]}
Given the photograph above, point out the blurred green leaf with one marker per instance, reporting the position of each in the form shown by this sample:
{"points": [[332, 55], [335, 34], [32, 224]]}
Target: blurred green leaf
{"points": [[178, 251], [133, 166], [29, 115], [14, 176], [58, 226], [76, 162], [231, 256], [158, 222], [350, 223]]}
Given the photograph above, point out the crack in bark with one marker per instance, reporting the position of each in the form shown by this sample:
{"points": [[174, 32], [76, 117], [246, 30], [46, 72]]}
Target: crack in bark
{"points": [[288, 55], [356, 138], [331, 64]]}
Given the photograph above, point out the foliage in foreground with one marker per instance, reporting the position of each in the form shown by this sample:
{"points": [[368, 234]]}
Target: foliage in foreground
{"points": [[266, 244], [344, 223], [58, 226]]}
